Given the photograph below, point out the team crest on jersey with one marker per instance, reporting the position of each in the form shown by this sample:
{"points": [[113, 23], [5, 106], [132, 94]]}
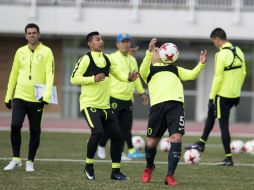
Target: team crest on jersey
{"points": [[24, 58], [39, 57]]}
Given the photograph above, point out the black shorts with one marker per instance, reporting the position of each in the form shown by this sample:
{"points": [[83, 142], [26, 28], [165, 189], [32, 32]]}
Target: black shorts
{"points": [[102, 121], [224, 105], [166, 115], [124, 112]]}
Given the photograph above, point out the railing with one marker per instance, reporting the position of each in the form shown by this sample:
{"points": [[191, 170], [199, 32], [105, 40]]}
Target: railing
{"points": [[164, 4]]}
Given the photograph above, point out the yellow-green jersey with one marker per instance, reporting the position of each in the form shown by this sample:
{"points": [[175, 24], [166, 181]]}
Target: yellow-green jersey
{"points": [[95, 94], [30, 68], [229, 72], [124, 90], [164, 81]]}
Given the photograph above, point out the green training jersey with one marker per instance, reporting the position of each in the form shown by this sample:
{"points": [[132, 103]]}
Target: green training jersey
{"points": [[229, 72], [124, 90], [30, 68], [164, 81]]}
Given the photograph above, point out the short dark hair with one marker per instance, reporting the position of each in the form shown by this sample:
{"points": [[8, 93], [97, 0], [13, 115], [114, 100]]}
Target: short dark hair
{"points": [[90, 36], [219, 33], [32, 25]]}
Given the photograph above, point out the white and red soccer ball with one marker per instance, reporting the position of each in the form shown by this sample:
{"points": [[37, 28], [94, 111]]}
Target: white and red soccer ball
{"points": [[165, 144], [236, 146], [138, 142], [249, 147], [192, 156], [169, 53]]}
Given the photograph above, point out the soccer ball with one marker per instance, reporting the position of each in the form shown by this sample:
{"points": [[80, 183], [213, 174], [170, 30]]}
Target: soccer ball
{"points": [[165, 144], [236, 146], [168, 53], [249, 147], [138, 142], [191, 156]]}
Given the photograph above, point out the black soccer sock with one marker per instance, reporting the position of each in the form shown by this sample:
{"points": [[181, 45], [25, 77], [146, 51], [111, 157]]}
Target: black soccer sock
{"points": [[208, 125], [34, 143], [150, 155], [225, 135], [174, 156], [16, 140]]}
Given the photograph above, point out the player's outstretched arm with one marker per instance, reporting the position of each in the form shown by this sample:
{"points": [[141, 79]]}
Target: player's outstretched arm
{"points": [[186, 74], [145, 66], [77, 77]]}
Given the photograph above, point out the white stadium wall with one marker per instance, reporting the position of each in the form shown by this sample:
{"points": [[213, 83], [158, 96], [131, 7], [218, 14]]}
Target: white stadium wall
{"points": [[60, 20]]}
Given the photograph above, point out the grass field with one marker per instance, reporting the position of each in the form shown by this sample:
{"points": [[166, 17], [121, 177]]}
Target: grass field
{"points": [[60, 166]]}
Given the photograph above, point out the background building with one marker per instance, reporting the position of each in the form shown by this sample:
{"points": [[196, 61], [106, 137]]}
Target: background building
{"points": [[187, 23]]}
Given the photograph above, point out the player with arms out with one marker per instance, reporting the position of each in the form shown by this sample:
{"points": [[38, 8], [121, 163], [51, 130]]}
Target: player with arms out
{"points": [[92, 74], [167, 107]]}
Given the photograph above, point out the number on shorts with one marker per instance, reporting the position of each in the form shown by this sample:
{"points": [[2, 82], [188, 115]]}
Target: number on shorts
{"points": [[181, 123]]}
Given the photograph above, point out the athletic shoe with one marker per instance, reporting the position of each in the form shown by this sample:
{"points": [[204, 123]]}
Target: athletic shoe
{"points": [[89, 172], [14, 163], [228, 161], [147, 175], [29, 166], [118, 176], [136, 154], [124, 157], [170, 181], [101, 152], [196, 146]]}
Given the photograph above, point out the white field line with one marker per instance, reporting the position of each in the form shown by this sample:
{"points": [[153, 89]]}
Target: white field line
{"points": [[86, 130], [128, 162]]}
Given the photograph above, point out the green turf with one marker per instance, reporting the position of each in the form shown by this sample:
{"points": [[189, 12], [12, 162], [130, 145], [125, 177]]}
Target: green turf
{"points": [[69, 175]]}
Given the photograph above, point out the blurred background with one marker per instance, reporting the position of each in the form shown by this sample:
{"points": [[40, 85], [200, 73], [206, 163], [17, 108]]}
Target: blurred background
{"points": [[187, 23]]}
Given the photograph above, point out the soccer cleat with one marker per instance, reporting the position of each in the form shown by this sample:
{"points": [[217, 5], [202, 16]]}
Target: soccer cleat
{"points": [[15, 163], [118, 176], [29, 166], [136, 154], [89, 172], [228, 161], [147, 175], [101, 152], [196, 146], [170, 181], [125, 158]]}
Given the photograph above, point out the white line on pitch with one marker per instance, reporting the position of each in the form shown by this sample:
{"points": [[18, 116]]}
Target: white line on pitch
{"points": [[109, 161]]}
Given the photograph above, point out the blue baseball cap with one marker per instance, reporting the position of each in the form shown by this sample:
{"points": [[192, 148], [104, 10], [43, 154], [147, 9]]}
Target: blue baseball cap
{"points": [[122, 36]]}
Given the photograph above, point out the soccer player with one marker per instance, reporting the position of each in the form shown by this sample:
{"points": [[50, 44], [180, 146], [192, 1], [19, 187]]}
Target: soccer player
{"points": [[92, 74], [167, 107], [121, 97], [228, 79], [33, 64]]}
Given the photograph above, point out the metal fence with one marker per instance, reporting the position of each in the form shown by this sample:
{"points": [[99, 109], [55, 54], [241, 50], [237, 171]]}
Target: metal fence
{"points": [[164, 4]]}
